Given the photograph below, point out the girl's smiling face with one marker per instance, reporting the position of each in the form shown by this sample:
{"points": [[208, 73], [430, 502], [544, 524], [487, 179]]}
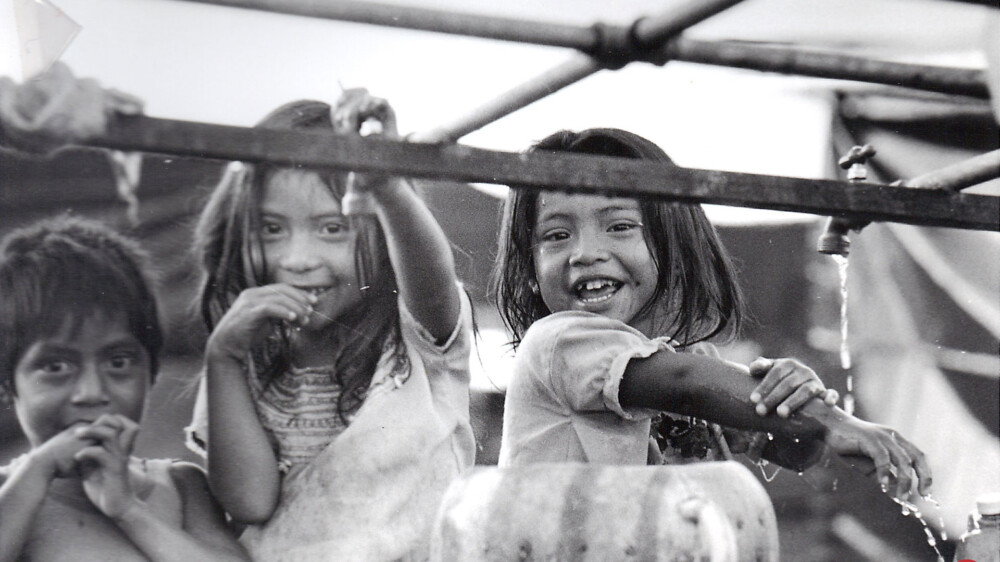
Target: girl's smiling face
{"points": [[590, 254], [308, 243]]}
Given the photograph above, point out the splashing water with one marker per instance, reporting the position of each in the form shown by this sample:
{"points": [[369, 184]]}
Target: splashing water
{"points": [[937, 506], [845, 350], [762, 465], [908, 509]]}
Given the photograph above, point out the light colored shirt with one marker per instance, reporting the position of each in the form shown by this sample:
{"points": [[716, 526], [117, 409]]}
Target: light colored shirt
{"points": [[370, 490], [562, 401]]}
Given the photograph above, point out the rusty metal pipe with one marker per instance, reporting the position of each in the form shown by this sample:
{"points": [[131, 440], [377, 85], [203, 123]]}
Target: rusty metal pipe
{"points": [[583, 173]]}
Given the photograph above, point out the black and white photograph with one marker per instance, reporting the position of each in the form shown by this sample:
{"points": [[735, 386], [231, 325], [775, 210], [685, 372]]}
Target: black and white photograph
{"points": [[324, 280]]}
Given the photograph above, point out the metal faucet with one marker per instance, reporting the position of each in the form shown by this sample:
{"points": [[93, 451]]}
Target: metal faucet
{"points": [[834, 239]]}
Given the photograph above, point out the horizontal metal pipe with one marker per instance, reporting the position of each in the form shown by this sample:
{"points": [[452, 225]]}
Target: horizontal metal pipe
{"points": [[650, 31], [424, 19], [960, 175], [955, 81], [575, 172]]}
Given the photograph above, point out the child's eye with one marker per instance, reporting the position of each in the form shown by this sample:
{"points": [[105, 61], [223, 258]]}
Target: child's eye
{"points": [[333, 228], [554, 235], [270, 229], [55, 367], [624, 226], [122, 361]]}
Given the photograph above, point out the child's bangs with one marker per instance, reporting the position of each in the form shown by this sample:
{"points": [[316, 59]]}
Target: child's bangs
{"points": [[80, 291]]}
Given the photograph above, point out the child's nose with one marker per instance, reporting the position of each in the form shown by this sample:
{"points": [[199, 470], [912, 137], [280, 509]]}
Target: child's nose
{"points": [[300, 255], [587, 250], [90, 388]]}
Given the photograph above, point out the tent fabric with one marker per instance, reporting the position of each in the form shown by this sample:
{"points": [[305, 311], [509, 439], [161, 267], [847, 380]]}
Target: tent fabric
{"points": [[914, 290], [900, 384]]}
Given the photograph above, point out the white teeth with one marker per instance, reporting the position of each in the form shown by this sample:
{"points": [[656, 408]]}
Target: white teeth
{"points": [[595, 285], [317, 291], [598, 299], [606, 287]]}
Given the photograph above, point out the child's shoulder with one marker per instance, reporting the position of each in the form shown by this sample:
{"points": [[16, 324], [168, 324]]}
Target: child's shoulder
{"points": [[576, 323]]}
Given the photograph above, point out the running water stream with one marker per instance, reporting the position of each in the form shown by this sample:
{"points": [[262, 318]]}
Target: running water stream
{"points": [[845, 350]]}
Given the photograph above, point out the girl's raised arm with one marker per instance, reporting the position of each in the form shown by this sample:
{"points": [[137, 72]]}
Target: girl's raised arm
{"points": [[719, 391], [418, 248]]}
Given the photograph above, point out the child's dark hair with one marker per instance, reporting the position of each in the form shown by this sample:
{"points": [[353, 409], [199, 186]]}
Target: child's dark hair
{"points": [[227, 241], [697, 294], [69, 268]]}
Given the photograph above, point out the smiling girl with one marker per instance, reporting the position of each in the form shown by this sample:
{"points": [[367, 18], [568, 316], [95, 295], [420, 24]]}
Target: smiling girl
{"points": [[335, 402], [610, 301]]}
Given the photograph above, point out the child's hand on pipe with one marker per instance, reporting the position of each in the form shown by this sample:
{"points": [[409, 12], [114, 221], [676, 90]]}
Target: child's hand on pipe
{"points": [[787, 385]]}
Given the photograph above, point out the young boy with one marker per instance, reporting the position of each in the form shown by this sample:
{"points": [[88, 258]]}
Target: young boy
{"points": [[79, 338]]}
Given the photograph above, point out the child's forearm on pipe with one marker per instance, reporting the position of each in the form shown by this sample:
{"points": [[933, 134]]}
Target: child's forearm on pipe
{"points": [[711, 389]]}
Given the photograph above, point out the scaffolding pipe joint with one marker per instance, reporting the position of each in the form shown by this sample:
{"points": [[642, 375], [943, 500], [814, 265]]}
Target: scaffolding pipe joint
{"points": [[616, 46]]}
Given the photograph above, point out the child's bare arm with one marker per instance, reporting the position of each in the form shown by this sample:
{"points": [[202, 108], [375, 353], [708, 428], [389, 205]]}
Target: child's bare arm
{"points": [[25, 486], [203, 536], [242, 467], [418, 248], [719, 391], [422, 258], [104, 469]]}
